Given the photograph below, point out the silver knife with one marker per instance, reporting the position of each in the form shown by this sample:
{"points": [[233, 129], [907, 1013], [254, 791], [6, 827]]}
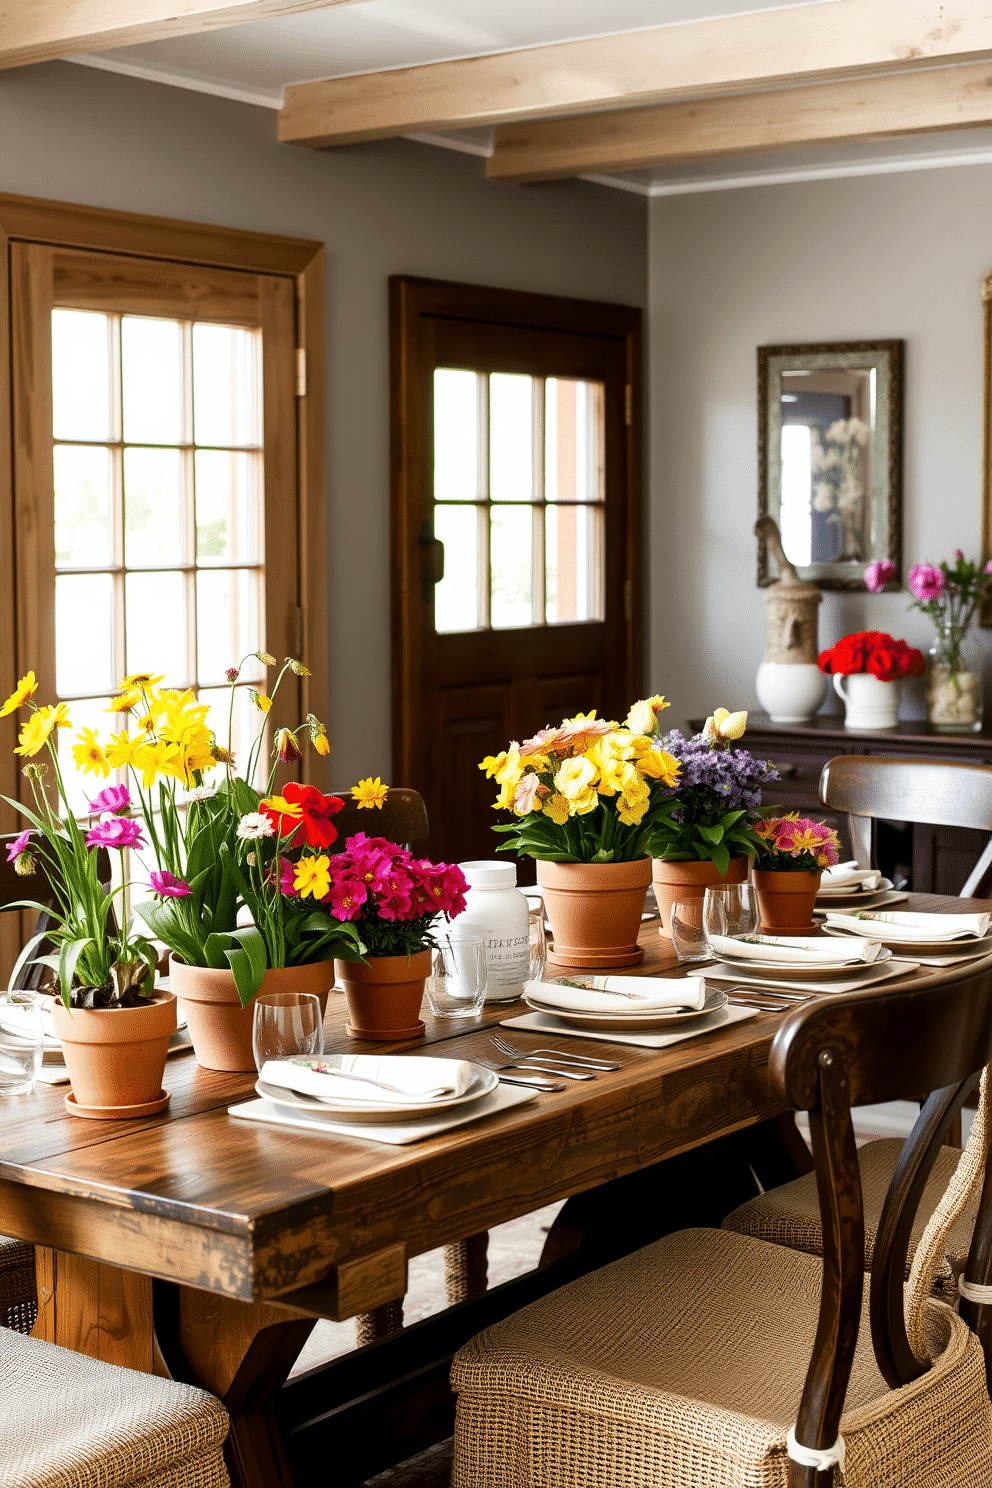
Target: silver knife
{"points": [[533, 1081]]}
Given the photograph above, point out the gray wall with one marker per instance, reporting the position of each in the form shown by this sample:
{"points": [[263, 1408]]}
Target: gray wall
{"points": [[74, 134], [883, 256]]}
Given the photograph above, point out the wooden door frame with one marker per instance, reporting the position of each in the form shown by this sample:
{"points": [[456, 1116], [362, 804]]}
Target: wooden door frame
{"points": [[412, 299]]}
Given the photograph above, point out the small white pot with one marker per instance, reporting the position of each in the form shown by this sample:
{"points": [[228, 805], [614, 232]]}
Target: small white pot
{"points": [[868, 703], [790, 691]]}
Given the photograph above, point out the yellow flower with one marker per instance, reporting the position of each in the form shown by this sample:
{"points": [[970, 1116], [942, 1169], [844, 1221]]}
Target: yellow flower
{"points": [[806, 842], [152, 760], [282, 807], [266, 658], [298, 667], [120, 750], [658, 764], [312, 877], [89, 754], [39, 728], [724, 725], [615, 776], [321, 742], [556, 807], [262, 703], [574, 776], [492, 763], [369, 793], [138, 681], [643, 716], [584, 802], [633, 803], [26, 687], [124, 703]]}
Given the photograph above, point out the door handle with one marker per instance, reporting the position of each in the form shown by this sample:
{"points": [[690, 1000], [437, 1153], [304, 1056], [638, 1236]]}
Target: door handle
{"points": [[431, 560]]}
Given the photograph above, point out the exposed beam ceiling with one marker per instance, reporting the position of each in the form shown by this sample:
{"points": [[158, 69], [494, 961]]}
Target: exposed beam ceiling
{"points": [[856, 111], [40, 30], [731, 54]]}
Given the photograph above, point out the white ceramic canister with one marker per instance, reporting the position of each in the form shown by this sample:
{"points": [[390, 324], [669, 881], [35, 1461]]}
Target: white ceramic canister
{"points": [[497, 910]]}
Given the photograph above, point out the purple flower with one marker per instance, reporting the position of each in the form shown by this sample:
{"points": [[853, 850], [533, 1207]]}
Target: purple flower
{"points": [[115, 798], [878, 574], [988, 567], [167, 885], [115, 831], [958, 555], [926, 582], [715, 780], [19, 845]]}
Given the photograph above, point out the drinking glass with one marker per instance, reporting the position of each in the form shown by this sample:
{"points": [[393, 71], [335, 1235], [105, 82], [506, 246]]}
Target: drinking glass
{"points": [[688, 935], [286, 1024], [456, 987], [538, 958], [729, 909], [22, 1042]]}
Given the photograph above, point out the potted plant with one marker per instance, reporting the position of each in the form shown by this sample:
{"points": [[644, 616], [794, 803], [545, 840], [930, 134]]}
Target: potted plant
{"points": [[587, 797], [950, 594], [220, 850], [393, 901], [793, 851], [867, 668], [707, 835], [114, 1026]]}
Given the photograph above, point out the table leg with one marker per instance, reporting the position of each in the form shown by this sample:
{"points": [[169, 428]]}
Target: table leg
{"points": [[96, 1309]]}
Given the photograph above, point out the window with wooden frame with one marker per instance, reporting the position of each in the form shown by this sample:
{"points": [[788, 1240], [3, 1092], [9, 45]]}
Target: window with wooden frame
{"points": [[167, 466]]}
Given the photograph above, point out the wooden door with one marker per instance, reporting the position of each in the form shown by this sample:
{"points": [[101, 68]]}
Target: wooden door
{"points": [[516, 532]]}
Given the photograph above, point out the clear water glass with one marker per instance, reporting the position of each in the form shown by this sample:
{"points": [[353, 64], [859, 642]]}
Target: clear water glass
{"points": [[729, 909], [456, 986], [22, 1042], [285, 1025], [688, 934]]}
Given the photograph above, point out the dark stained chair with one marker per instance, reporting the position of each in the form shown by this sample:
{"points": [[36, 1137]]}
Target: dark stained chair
{"points": [[401, 818], [714, 1358]]}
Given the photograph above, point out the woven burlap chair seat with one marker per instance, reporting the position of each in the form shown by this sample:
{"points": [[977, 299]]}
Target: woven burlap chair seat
{"points": [[72, 1422], [682, 1366], [18, 1288], [790, 1215]]}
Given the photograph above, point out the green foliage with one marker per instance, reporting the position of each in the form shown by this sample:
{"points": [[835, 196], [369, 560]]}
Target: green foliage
{"points": [[715, 839]]}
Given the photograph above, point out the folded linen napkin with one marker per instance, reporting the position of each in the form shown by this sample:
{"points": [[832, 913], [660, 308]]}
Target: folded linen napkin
{"points": [[794, 950], [621, 994], [385, 1079], [909, 926], [850, 877]]}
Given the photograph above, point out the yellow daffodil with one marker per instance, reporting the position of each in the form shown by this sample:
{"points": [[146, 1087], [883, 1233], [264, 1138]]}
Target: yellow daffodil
{"points": [[152, 759], [26, 688], [120, 751], [615, 776], [722, 725], [658, 764], [556, 807], [39, 728], [139, 682], [312, 877], [125, 702], [643, 716], [574, 776], [370, 793], [89, 754], [262, 703]]}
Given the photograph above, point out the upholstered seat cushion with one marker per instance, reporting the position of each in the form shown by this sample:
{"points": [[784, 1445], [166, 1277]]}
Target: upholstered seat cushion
{"points": [[18, 1288], [682, 1366], [790, 1215], [72, 1422]]}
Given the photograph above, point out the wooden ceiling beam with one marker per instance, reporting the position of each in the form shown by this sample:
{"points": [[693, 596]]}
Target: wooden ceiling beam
{"points": [[42, 30], [728, 54], [925, 101]]}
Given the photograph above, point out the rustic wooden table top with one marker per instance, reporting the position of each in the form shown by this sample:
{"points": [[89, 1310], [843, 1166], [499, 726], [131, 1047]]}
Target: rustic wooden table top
{"points": [[254, 1211]]}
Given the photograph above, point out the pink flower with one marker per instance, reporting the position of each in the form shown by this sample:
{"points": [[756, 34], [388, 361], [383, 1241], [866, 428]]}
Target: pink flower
{"points": [[19, 845], [958, 555], [115, 831], [348, 894], [115, 798], [525, 797], [878, 574], [287, 877], [167, 885], [926, 582], [988, 567]]}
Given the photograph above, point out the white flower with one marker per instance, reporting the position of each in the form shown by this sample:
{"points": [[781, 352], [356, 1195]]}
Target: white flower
{"points": [[254, 825], [823, 496], [201, 793]]}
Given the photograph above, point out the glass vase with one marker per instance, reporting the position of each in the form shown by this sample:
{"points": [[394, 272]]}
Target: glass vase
{"points": [[954, 682]]}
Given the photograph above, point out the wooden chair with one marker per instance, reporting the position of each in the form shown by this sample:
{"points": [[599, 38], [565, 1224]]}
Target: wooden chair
{"points": [[401, 818], [714, 1358], [871, 789]]}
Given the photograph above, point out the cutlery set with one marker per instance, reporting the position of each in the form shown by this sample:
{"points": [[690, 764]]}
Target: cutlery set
{"points": [[549, 1062]]}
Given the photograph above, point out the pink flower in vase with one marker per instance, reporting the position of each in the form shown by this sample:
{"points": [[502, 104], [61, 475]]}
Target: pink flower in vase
{"points": [[926, 582], [115, 798], [878, 574], [19, 845], [115, 831], [167, 885]]}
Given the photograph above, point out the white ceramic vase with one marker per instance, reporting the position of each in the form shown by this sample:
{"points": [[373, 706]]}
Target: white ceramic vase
{"points": [[790, 691], [868, 703]]}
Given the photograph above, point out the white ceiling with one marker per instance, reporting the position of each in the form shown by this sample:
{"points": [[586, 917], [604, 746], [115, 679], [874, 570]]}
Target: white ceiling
{"points": [[255, 62]]}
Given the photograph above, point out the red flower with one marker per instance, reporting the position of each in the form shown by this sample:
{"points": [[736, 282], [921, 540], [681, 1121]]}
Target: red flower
{"points": [[314, 819]]}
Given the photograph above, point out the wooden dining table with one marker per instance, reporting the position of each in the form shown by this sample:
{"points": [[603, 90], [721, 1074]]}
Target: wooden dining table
{"points": [[206, 1247]]}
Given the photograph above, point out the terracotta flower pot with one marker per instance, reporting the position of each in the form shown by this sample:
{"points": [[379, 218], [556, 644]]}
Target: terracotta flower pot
{"points": [[786, 901], [676, 883], [384, 995], [219, 1026], [595, 911], [116, 1056]]}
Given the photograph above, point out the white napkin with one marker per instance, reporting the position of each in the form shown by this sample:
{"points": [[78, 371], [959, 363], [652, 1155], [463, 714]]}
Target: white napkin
{"points": [[410, 1076], [621, 994], [849, 876], [794, 950], [909, 926]]}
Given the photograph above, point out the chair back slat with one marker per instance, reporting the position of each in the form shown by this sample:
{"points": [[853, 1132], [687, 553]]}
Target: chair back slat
{"points": [[932, 791], [401, 818]]}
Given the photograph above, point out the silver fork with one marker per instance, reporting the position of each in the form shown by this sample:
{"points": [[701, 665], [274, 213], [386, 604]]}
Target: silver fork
{"points": [[551, 1056]]}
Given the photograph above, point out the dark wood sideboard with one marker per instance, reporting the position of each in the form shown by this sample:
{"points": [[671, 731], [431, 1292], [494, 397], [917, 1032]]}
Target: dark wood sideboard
{"points": [[934, 860]]}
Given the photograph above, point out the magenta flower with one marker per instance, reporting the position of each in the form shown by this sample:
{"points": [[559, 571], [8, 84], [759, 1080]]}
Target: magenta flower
{"points": [[958, 555], [115, 798], [348, 894], [287, 877], [115, 831], [168, 886], [926, 582], [988, 567], [878, 574], [19, 845]]}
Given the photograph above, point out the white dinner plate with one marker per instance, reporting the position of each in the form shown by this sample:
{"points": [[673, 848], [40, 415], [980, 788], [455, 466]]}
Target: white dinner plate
{"points": [[658, 1018], [889, 936], [854, 896], [798, 972], [482, 1083]]}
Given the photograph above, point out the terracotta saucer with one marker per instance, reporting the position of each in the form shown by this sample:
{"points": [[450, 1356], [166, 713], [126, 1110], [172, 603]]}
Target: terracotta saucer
{"points": [[387, 1035], [116, 1113], [589, 960]]}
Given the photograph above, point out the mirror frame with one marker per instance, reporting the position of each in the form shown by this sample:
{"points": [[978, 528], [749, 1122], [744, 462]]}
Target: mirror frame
{"points": [[891, 354]]}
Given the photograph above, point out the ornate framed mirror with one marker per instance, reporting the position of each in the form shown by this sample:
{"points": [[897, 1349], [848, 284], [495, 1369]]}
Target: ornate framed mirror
{"points": [[830, 458]]}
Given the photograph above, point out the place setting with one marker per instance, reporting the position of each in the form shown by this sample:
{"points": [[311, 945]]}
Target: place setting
{"points": [[848, 885], [931, 939]]}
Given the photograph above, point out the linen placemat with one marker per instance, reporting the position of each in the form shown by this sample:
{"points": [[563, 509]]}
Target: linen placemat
{"points": [[645, 1039], [399, 1135]]}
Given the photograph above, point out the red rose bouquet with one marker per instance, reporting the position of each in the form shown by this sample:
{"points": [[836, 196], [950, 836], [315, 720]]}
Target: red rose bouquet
{"points": [[873, 651]]}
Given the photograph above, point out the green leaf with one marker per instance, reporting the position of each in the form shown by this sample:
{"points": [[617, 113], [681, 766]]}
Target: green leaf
{"points": [[246, 958], [603, 856], [70, 954], [721, 857], [24, 957], [712, 835]]}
